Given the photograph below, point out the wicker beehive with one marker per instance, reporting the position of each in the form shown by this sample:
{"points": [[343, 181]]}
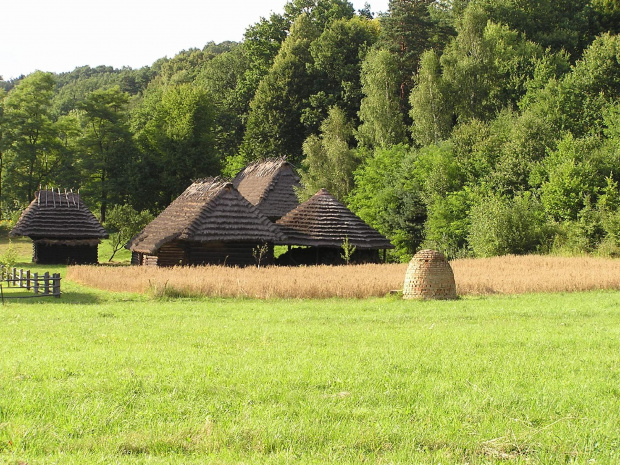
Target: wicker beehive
{"points": [[429, 276]]}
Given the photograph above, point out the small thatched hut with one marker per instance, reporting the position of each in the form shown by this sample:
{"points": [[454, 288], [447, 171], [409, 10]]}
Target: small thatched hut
{"points": [[209, 223], [270, 186], [322, 224], [63, 230]]}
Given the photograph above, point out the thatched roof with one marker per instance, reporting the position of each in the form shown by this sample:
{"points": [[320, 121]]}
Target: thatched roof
{"points": [[55, 215], [269, 185], [322, 221], [208, 210]]}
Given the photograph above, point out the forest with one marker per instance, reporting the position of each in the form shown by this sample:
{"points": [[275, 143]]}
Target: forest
{"points": [[475, 127]]}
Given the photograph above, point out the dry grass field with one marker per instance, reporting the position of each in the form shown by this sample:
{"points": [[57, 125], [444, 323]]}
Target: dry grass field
{"points": [[498, 275]]}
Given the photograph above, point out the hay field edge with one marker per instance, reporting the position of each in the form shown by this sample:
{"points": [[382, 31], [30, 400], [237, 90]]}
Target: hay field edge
{"points": [[498, 275]]}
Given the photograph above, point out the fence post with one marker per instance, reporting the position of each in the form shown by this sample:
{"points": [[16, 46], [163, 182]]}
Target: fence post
{"points": [[14, 276], [46, 283], [36, 283], [21, 277], [56, 281], [28, 280]]}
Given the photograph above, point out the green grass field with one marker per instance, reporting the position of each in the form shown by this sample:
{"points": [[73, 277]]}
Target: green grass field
{"points": [[103, 378], [119, 378]]}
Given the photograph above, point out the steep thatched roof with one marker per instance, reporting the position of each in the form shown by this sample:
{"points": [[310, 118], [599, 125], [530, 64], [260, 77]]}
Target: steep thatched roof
{"points": [[60, 216], [322, 221], [269, 185], [208, 210]]}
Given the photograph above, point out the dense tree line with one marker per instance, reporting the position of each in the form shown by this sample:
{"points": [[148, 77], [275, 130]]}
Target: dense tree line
{"points": [[478, 127]]}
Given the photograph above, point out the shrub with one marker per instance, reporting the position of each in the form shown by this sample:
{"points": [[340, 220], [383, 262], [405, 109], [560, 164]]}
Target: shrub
{"points": [[123, 222], [501, 226]]}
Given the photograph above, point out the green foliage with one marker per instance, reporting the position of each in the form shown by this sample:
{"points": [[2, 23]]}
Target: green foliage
{"points": [[571, 181], [347, 250], [429, 100], [329, 161], [337, 59], [448, 224], [381, 120], [559, 24], [274, 126], [406, 32], [104, 144], [35, 148], [174, 128], [501, 226], [9, 256], [388, 197], [123, 223]]}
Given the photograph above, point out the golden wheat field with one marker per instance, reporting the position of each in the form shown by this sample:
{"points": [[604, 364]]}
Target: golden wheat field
{"points": [[498, 275]]}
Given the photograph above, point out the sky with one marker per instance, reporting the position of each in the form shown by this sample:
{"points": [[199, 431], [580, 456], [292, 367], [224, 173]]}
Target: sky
{"points": [[60, 35]]}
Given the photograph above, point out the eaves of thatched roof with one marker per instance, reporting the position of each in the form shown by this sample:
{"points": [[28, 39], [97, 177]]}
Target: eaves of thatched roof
{"points": [[60, 216], [209, 210], [270, 186], [322, 221]]}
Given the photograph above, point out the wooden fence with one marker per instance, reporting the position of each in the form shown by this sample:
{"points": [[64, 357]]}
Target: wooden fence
{"points": [[41, 285]]}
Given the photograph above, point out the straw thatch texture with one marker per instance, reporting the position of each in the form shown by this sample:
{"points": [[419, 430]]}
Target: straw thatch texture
{"points": [[58, 216], [429, 276], [322, 221], [270, 186], [209, 210]]}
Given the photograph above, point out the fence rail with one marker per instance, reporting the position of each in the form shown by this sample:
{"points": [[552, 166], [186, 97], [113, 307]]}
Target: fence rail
{"points": [[42, 285]]}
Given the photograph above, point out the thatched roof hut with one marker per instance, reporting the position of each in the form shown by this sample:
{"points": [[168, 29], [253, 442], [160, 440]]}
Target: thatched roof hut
{"points": [[211, 223], [322, 222], [429, 276], [270, 186], [62, 228]]}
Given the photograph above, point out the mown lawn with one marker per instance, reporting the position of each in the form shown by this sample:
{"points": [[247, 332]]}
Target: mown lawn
{"points": [[96, 377]]}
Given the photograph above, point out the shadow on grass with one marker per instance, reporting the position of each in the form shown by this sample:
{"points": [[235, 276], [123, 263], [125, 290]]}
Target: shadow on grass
{"points": [[78, 298]]}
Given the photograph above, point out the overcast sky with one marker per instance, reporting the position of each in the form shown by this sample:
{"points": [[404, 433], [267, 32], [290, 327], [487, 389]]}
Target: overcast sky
{"points": [[60, 35]]}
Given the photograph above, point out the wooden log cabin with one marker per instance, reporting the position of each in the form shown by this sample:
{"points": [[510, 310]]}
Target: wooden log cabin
{"points": [[62, 228], [210, 223], [319, 228]]}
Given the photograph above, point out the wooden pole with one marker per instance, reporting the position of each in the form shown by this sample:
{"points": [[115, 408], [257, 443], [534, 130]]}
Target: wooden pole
{"points": [[46, 283], [56, 280], [28, 280], [14, 276], [36, 283], [21, 277]]}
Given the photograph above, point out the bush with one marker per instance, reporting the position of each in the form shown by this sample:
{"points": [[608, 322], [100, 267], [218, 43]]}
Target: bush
{"points": [[123, 222], [9, 256], [448, 224], [501, 226]]}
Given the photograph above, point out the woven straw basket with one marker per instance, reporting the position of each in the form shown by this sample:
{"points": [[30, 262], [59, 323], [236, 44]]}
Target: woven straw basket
{"points": [[429, 276]]}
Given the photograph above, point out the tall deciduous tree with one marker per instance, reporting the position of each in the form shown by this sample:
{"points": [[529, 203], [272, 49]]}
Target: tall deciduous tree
{"points": [[105, 144], [174, 129], [329, 161], [381, 120], [337, 55], [431, 111], [274, 126], [4, 142], [34, 142]]}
